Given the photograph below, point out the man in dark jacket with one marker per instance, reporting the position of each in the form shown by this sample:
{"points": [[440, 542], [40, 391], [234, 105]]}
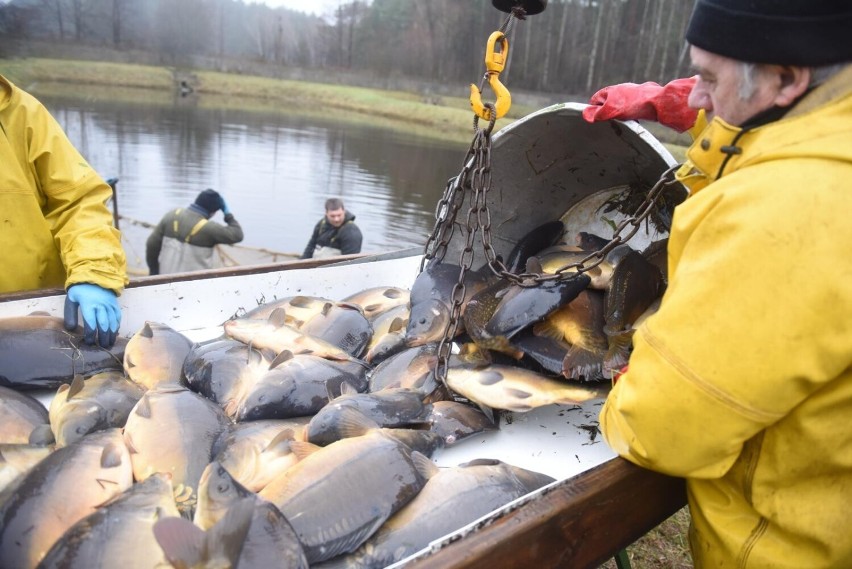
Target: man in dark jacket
{"points": [[184, 238], [335, 234]]}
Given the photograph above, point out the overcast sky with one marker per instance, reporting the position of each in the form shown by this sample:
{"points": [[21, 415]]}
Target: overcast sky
{"points": [[318, 7]]}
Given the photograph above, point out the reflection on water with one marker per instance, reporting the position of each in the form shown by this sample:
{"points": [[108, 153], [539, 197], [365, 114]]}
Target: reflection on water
{"points": [[275, 171]]}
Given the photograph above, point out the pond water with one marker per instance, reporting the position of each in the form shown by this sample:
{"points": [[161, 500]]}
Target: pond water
{"points": [[275, 170]]}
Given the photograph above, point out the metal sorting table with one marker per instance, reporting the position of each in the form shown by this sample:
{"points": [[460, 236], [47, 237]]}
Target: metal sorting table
{"points": [[599, 503]]}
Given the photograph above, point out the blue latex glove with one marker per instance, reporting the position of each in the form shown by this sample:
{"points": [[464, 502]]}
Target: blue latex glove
{"points": [[101, 313], [224, 206]]}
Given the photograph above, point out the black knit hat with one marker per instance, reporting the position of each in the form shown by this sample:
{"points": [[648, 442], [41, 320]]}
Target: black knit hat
{"points": [[209, 200], [807, 33]]}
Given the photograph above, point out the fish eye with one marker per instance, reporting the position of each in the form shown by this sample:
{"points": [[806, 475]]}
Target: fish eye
{"points": [[422, 321], [223, 488]]}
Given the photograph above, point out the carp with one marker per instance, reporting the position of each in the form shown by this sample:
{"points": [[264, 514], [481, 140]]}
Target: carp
{"points": [[120, 532], [394, 407], [451, 499], [454, 421], [101, 402], [23, 420], [172, 430], [375, 301], [79, 477], [298, 309], [275, 335], [256, 451], [515, 389], [36, 352], [342, 325], [270, 540], [155, 354], [337, 496], [224, 371], [298, 386], [15, 461], [636, 283], [580, 323]]}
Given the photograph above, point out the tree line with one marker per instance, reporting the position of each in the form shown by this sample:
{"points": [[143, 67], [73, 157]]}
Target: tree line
{"points": [[573, 47]]}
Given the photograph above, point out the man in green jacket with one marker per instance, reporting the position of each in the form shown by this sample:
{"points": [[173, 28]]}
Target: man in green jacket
{"points": [[184, 239], [742, 381], [55, 228]]}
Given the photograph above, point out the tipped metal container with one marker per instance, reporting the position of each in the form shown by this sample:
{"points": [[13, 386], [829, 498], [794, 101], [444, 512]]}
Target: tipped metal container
{"points": [[552, 165]]}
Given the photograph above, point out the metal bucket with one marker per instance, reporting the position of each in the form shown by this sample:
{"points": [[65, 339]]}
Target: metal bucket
{"points": [[552, 165]]}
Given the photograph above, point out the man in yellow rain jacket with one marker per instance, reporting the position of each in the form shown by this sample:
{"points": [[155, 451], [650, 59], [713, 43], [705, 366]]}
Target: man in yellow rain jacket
{"points": [[55, 228], [742, 381]]}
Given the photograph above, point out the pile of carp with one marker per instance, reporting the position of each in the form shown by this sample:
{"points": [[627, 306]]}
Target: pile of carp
{"points": [[305, 434]]}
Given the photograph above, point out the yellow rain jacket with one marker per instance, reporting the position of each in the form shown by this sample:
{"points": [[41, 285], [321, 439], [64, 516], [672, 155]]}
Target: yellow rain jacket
{"points": [[741, 383], [54, 225]]}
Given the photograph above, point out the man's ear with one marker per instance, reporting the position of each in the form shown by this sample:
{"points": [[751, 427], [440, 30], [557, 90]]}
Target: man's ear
{"points": [[794, 82]]}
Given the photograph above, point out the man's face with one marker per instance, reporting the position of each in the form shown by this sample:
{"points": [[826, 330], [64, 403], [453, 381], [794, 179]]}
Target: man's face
{"points": [[335, 216], [718, 88]]}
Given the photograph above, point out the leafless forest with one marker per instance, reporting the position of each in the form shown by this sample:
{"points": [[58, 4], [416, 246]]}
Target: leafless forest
{"points": [[575, 46]]}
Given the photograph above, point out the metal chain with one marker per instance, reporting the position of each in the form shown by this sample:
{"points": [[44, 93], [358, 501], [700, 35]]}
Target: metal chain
{"points": [[571, 270], [478, 166]]}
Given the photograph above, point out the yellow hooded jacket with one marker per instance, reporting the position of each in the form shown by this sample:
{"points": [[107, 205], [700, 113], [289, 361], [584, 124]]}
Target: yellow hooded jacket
{"points": [[54, 225], [741, 382]]}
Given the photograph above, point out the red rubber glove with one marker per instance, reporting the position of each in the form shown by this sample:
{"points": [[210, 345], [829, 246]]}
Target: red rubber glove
{"points": [[647, 101]]}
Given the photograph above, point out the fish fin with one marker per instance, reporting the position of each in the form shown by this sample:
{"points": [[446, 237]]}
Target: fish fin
{"points": [[372, 308], [577, 395], [392, 293], [146, 331], [546, 329], [347, 388], [62, 389], [424, 465], [181, 541], [280, 445], [143, 408], [534, 266], [326, 308], [618, 353], [77, 385], [350, 542], [353, 423], [397, 325], [488, 412], [278, 317], [580, 362], [128, 441], [42, 435], [224, 541], [281, 358], [111, 456], [301, 301], [267, 354], [303, 449], [231, 407]]}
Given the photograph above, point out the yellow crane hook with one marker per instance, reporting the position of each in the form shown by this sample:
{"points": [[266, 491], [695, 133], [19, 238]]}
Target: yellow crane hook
{"points": [[495, 61]]}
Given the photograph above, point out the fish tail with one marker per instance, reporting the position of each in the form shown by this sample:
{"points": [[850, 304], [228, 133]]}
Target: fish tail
{"points": [[618, 352], [581, 363]]}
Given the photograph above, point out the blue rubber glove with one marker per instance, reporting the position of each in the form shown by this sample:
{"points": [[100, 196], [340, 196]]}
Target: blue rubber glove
{"points": [[224, 206], [101, 313]]}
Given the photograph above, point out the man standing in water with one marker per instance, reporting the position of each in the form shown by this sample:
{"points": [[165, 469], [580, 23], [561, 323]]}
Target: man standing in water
{"points": [[741, 383], [185, 237], [335, 234]]}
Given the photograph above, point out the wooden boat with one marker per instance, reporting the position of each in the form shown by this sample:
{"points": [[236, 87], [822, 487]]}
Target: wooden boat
{"points": [[548, 164]]}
